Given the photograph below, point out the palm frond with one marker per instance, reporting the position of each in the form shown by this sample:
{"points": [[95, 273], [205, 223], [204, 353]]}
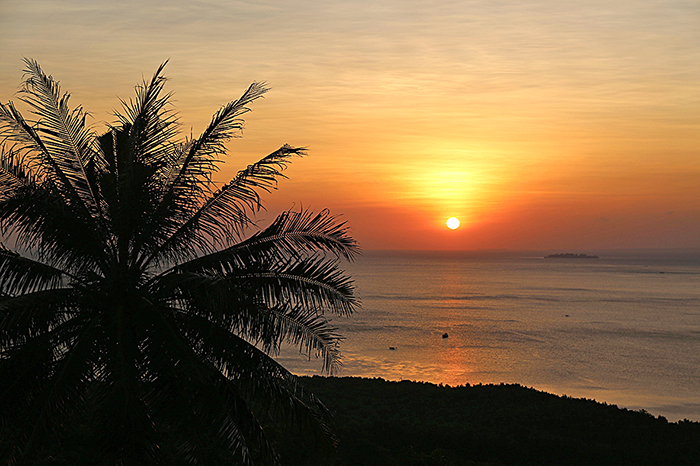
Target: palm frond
{"points": [[152, 125], [52, 353], [127, 336], [195, 165], [306, 328], [205, 404], [65, 135], [20, 275], [185, 177], [26, 316], [18, 131], [14, 171], [292, 234], [225, 124], [224, 216], [313, 282], [278, 394], [303, 232], [234, 305], [60, 234]]}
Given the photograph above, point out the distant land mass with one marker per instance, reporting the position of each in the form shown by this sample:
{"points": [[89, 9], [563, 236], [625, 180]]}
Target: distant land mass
{"points": [[383, 423], [570, 255]]}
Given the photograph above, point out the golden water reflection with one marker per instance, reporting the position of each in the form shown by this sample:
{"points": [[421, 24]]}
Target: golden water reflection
{"points": [[588, 330]]}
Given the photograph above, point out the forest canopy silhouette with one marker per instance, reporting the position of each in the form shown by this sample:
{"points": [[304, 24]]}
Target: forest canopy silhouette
{"points": [[140, 305]]}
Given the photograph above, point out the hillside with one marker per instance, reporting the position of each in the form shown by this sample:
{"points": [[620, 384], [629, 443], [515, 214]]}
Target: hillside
{"points": [[409, 424]]}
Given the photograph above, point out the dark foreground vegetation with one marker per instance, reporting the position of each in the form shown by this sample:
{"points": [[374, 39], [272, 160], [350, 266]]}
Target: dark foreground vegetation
{"points": [[408, 423], [134, 288]]}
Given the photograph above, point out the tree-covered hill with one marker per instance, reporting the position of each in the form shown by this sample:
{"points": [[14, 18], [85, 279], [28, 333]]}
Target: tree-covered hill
{"points": [[408, 423]]}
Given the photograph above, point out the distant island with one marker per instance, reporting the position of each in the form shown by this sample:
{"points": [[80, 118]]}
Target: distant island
{"points": [[570, 255]]}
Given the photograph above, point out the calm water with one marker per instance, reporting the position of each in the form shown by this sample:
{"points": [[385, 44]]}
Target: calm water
{"points": [[623, 329]]}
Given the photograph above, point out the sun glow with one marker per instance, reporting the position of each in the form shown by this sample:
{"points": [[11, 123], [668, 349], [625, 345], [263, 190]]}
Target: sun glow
{"points": [[452, 223]]}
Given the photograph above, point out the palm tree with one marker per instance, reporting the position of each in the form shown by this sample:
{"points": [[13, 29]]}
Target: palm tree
{"points": [[140, 307]]}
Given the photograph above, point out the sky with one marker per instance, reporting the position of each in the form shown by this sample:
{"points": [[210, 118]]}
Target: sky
{"points": [[553, 124]]}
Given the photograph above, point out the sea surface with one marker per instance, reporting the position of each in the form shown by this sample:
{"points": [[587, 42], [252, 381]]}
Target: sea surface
{"points": [[622, 329]]}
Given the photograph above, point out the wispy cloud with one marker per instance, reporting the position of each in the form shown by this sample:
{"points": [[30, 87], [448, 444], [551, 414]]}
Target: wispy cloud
{"points": [[404, 95]]}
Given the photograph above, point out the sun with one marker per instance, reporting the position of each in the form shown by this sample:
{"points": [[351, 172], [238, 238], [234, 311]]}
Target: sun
{"points": [[452, 223]]}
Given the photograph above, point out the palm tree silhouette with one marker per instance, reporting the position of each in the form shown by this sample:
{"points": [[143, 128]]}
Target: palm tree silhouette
{"points": [[138, 314]]}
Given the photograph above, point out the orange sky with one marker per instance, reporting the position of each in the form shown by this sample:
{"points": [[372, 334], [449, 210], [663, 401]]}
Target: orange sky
{"points": [[541, 125]]}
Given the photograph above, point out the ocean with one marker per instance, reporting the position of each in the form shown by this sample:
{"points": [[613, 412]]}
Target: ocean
{"points": [[623, 329]]}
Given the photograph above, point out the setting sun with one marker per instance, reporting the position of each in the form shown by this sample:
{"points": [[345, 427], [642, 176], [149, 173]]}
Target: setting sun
{"points": [[452, 223]]}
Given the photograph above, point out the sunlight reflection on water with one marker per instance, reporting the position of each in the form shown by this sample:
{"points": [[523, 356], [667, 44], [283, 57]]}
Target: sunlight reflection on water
{"points": [[615, 329]]}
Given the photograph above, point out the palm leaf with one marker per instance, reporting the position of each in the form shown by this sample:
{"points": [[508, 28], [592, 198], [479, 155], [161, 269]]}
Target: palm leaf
{"points": [[20, 275], [278, 395], [236, 306], [56, 352], [205, 402], [59, 232], [126, 335], [291, 234], [185, 179], [306, 328], [195, 165], [151, 122], [66, 137], [40, 162], [224, 216], [298, 232], [14, 171], [312, 282], [25, 316]]}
